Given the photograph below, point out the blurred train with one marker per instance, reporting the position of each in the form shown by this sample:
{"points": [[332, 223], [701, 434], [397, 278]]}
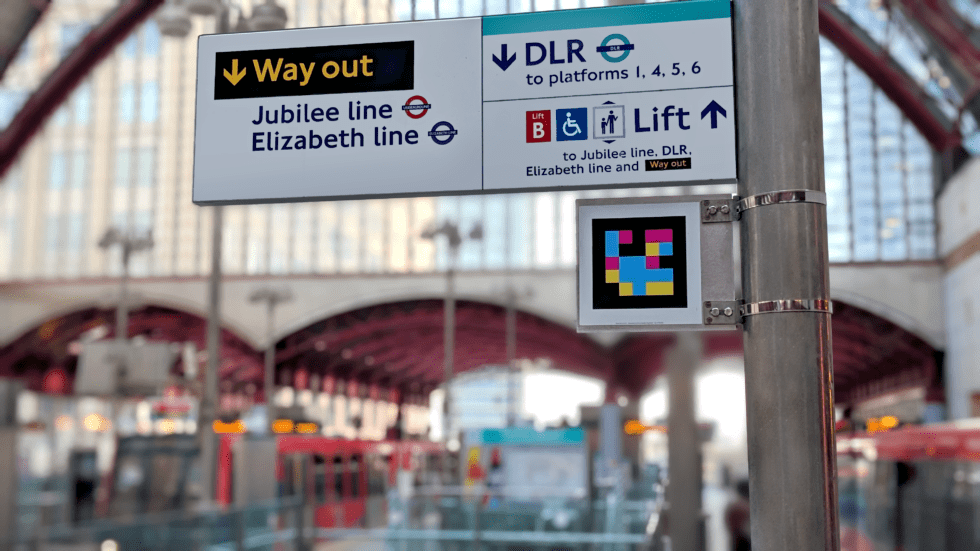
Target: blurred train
{"points": [[344, 481], [910, 489]]}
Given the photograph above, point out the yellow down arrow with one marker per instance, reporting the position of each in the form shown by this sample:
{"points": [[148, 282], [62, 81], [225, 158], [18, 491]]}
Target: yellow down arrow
{"points": [[234, 76]]}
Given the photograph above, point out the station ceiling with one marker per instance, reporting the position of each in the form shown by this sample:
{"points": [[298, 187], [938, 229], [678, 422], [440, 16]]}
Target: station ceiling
{"points": [[19, 18]]}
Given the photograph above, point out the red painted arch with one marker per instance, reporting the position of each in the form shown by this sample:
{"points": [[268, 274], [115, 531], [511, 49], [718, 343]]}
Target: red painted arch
{"points": [[398, 347], [401, 344], [872, 356], [63, 80], [51, 346]]}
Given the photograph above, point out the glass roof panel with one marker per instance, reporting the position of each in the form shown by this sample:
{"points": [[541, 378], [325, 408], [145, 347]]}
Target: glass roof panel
{"points": [[969, 10], [46, 47], [897, 36]]}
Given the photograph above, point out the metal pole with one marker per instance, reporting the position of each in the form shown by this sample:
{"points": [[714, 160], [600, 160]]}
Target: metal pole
{"points": [[270, 366], [511, 356], [271, 297], [122, 309], [684, 446], [9, 475], [209, 401], [788, 364], [122, 332], [449, 346], [301, 505]]}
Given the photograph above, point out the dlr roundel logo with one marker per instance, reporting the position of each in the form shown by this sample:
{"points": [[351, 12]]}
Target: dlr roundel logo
{"points": [[539, 126]]}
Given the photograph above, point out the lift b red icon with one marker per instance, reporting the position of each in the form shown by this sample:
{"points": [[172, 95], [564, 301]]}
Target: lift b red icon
{"points": [[539, 126]]}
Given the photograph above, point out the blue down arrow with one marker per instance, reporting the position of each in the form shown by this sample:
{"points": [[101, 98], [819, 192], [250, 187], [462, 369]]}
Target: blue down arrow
{"points": [[503, 62]]}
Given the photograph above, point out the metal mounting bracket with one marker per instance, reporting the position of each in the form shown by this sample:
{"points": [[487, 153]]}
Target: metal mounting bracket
{"points": [[722, 312], [790, 305], [781, 196], [719, 210]]}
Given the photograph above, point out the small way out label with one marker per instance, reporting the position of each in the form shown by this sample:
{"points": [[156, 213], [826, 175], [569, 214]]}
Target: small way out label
{"points": [[375, 67], [680, 163]]}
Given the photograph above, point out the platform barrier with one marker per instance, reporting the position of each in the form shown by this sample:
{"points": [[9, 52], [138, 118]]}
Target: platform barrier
{"points": [[271, 525], [457, 519], [428, 520]]}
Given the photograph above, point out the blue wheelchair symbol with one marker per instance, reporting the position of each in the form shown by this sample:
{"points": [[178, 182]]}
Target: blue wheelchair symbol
{"points": [[572, 124]]}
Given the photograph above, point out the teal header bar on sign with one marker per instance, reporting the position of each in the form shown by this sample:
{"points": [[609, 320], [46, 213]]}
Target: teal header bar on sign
{"points": [[529, 437], [637, 14]]}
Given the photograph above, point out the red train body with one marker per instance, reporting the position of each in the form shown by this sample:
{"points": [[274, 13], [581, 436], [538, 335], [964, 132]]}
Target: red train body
{"points": [[345, 480], [910, 489]]}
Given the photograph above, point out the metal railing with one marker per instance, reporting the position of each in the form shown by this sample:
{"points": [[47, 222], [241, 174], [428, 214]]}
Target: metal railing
{"points": [[446, 519], [279, 523], [458, 519]]}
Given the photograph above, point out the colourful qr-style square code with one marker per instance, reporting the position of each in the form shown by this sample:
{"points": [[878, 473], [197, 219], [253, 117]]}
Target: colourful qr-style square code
{"points": [[639, 263], [640, 275]]}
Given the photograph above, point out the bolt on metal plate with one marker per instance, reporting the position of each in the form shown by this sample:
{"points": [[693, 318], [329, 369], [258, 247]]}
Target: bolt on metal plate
{"points": [[718, 210], [721, 312]]}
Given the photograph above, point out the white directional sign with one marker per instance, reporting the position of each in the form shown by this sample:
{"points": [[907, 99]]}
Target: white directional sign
{"points": [[627, 95], [330, 112], [619, 96]]}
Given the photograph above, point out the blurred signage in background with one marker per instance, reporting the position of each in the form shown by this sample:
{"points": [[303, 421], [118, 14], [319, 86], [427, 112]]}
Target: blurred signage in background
{"points": [[625, 95], [229, 427], [171, 407], [882, 424], [526, 464], [634, 427], [107, 368]]}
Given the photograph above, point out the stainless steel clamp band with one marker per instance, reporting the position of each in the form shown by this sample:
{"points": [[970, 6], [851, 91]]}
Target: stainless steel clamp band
{"points": [[791, 305], [783, 196]]}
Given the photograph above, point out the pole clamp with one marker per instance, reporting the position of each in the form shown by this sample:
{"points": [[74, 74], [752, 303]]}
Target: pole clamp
{"points": [[780, 197], [788, 305]]}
